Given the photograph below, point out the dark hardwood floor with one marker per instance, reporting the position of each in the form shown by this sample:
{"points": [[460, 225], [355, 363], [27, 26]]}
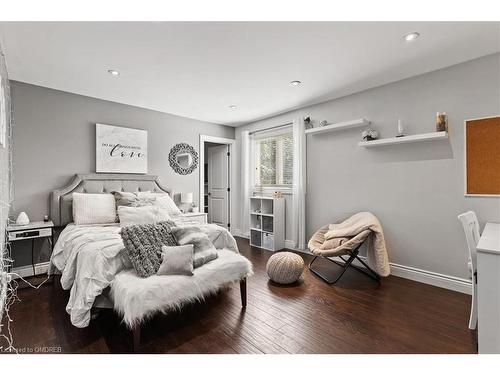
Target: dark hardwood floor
{"points": [[357, 315]]}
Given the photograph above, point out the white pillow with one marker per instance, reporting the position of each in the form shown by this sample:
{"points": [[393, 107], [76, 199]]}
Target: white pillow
{"points": [[141, 215], [161, 200], [93, 208]]}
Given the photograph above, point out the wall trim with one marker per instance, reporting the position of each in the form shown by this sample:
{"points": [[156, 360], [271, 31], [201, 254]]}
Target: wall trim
{"points": [[432, 278], [440, 280], [237, 233], [406, 272], [416, 274], [26, 271]]}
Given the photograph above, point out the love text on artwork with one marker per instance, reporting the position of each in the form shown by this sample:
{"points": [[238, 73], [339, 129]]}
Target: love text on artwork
{"points": [[124, 151]]}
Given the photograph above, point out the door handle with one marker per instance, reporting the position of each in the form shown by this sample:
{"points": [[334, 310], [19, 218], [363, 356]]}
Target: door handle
{"points": [[209, 193]]}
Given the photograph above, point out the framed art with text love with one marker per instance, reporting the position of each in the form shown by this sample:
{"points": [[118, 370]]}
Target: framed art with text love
{"points": [[120, 150]]}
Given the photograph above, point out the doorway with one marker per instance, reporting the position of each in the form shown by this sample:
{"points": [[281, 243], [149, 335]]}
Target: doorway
{"points": [[216, 179]]}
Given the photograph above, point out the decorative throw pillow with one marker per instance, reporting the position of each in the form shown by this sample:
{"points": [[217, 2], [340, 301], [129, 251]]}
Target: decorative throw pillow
{"points": [[161, 200], [93, 208], [204, 250], [123, 198], [177, 260], [143, 245], [141, 215]]}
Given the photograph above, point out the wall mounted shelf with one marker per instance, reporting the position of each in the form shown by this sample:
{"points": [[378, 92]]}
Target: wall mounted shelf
{"points": [[338, 126], [406, 139]]}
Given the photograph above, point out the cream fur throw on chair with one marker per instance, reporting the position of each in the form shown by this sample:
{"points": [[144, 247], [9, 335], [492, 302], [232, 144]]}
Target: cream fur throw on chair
{"points": [[376, 253]]}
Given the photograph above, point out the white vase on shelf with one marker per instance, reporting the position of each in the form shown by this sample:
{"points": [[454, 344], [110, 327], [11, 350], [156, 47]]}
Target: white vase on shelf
{"points": [[22, 219], [401, 130]]}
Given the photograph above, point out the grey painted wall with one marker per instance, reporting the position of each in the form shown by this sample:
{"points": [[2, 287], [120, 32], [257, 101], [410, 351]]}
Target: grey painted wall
{"points": [[54, 138], [416, 190]]}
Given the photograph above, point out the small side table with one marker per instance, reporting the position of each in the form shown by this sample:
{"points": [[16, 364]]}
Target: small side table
{"points": [[31, 231]]}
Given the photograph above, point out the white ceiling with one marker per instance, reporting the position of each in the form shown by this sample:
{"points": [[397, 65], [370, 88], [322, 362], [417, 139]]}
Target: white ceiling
{"points": [[199, 69]]}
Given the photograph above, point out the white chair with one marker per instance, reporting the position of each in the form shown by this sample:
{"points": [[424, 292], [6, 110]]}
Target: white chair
{"points": [[471, 229]]}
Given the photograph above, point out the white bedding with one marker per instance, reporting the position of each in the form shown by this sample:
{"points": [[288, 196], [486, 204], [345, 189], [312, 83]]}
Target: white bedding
{"points": [[89, 257]]}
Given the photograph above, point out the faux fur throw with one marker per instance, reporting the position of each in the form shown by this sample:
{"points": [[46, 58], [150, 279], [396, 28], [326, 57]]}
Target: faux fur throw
{"points": [[376, 253], [143, 245], [136, 299], [334, 242]]}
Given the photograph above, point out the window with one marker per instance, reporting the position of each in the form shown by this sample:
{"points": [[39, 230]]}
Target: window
{"points": [[274, 161]]}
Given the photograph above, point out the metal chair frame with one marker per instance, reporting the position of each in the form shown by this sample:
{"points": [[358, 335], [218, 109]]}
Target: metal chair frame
{"points": [[353, 255]]}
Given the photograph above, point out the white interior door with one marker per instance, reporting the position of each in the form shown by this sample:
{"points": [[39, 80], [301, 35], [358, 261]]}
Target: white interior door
{"points": [[218, 185]]}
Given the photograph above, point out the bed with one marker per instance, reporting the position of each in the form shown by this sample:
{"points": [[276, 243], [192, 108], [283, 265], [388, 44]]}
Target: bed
{"points": [[95, 267]]}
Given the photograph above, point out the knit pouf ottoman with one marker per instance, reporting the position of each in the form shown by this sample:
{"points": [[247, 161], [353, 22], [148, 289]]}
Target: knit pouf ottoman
{"points": [[285, 267]]}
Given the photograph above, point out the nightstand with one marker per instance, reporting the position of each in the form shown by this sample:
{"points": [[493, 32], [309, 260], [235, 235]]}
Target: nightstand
{"points": [[31, 231], [191, 218]]}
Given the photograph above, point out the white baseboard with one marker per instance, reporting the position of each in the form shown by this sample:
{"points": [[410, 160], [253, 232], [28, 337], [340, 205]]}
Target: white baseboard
{"points": [[427, 277], [433, 278], [290, 244], [26, 271], [237, 233]]}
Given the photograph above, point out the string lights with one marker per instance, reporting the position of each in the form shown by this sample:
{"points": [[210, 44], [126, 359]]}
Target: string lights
{"points": [[8, 287]]}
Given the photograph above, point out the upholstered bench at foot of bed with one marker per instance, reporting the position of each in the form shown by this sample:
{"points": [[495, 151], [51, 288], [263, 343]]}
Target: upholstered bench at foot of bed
{"points": [[136, 299]]}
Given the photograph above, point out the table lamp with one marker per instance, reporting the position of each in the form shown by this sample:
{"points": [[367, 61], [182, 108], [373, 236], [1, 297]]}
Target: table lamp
{"points": [[187, 199]]}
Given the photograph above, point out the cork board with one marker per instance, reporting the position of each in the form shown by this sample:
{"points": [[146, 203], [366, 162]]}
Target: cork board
{"points": [[482, 146]]}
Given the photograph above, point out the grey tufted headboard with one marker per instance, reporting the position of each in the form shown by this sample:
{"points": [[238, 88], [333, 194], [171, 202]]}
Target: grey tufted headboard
{"points": [[61, 202]]}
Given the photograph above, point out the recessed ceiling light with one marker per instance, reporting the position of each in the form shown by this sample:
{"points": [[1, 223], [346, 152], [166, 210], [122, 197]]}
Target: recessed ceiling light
{"points": [[232, 107], [411, 36], [113, 72], [295, 83]]}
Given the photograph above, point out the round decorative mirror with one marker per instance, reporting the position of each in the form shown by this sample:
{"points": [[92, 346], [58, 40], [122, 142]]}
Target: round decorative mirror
{"points": [[183, 158]]}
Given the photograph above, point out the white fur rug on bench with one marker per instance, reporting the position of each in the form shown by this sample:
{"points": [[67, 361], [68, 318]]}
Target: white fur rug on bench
{"points": [[137, 298]]}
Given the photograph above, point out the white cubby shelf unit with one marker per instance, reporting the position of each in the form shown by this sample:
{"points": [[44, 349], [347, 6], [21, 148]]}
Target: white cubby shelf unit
{"points": [[267, 223]]}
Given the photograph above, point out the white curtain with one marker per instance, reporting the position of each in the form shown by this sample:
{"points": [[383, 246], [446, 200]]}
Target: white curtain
{"points": [[246, 178], [299, 184]]}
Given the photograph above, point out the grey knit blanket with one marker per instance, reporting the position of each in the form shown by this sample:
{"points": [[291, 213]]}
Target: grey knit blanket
{"points": [[143, 245]]}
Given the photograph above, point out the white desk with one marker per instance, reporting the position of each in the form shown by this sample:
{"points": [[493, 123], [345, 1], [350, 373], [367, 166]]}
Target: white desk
{"points": [[488, 289]]}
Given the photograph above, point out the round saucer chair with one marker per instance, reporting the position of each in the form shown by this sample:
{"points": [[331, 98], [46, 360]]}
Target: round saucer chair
{"points": [[349, 248]]}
